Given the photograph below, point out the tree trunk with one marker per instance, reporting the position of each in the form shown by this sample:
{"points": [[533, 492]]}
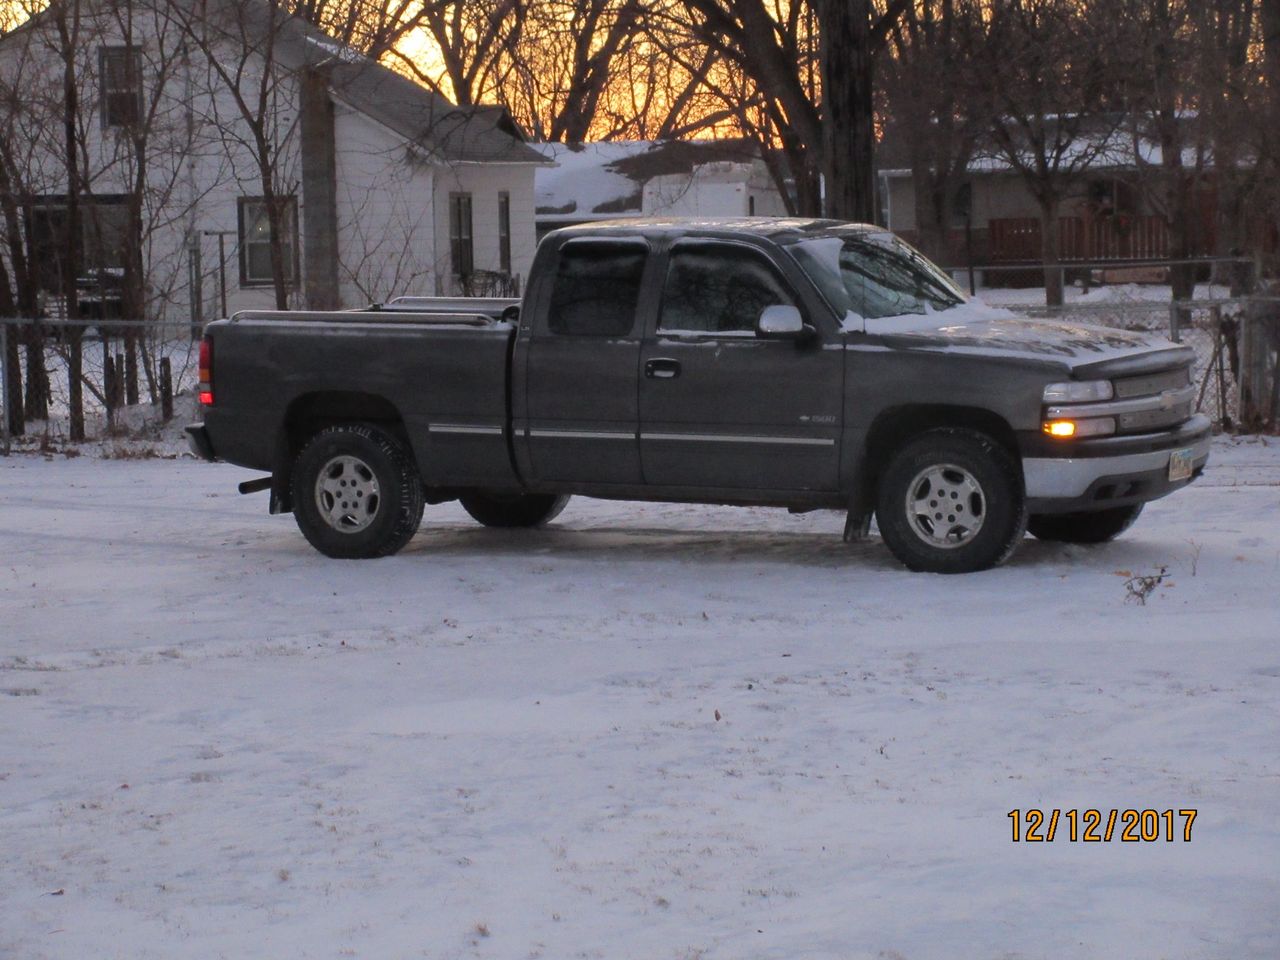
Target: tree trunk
{"points": [[848, 110], [1051, 252], [12, 359], [13, 406], [1177, 194], [37, 398], [932, 211], [69, 36], [275, 223], [1270, 14]]}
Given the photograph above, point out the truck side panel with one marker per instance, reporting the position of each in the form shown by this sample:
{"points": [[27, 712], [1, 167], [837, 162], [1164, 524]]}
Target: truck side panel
{"points": [[446, 386]]}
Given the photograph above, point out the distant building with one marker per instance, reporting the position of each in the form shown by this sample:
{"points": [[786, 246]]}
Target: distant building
{"points": [[1108, 215], [638, 178]]}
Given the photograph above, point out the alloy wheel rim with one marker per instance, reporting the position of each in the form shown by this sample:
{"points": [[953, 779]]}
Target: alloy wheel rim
{"points": [[945, 506], [347, 494]]}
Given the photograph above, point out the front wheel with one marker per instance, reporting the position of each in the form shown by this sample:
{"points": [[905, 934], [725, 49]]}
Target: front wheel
{"points": [[1091, 526], [356, 492], [951, 501], [512, 510]]}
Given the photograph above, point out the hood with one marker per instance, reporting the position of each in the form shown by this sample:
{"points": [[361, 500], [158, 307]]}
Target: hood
{"points": [[986, 331]]}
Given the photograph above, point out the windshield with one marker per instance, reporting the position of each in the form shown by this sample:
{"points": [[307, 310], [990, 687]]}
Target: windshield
{"points": [[874, 274]]}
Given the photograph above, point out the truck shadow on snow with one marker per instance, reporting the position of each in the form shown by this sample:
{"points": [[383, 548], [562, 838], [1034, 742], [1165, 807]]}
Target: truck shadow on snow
{"points": [[652, 544]]}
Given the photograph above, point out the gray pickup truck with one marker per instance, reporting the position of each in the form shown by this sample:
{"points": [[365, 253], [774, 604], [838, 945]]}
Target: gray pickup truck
{"points": [[806, 364]]}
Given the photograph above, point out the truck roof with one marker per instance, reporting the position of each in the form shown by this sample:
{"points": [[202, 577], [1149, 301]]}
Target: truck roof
{"points": [[774, 228]]}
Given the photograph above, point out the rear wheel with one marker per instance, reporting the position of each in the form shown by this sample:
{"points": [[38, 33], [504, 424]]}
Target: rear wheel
{"points": [[356, 492], [512, 510], [951, 501], [1091, 526]]}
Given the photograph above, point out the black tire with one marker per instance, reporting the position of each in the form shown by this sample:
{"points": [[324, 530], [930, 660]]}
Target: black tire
{"points": [[512, 510], [978, 513], [1090, 526], [386, 503]]}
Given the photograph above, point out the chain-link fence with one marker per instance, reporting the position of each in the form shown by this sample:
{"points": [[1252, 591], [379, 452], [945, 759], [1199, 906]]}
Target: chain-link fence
{"points": [[66, 380]]}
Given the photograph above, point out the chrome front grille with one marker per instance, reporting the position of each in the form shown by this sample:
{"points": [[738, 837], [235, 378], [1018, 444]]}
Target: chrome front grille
{"points": [[1171, 388], [1152, 384], [1149, 420]]}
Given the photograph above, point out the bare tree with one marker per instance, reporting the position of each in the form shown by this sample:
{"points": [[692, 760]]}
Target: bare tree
{"points": [[936, 122], [1228, 88], [1051, 77], [374, 27], [476, 42], [1160, 99], [768, 81], [239, 42]]}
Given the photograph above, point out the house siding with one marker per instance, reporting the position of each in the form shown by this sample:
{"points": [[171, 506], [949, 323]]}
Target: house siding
{"points": [[485, 182]]}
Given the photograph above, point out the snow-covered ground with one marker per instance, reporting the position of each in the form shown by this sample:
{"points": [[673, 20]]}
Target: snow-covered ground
{"points": [[648, 731], [1136, 297]]}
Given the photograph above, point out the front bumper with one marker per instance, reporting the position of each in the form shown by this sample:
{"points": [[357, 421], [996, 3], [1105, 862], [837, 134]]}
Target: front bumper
{"points": [[198, 441], [1110, 472]]}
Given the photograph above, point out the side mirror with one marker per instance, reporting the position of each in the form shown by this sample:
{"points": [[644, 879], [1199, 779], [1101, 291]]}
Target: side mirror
{"points": [[781, 322]]}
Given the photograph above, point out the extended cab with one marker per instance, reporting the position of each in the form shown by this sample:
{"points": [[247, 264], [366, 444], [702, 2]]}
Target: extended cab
{"points": [[795, 363]]}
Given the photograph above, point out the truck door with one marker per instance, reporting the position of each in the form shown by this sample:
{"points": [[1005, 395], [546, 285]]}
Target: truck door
{"points": [[720, 407], [581, 418]]}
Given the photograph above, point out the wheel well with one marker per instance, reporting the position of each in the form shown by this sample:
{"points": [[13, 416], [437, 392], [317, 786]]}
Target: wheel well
{"points": [[894, 427], [312, 412]]}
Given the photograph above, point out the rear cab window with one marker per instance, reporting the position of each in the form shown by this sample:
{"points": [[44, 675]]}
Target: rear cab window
{"points": [[597, 288]]}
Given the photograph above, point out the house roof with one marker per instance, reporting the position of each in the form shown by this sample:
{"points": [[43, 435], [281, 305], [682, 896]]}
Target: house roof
{"points": [[606, 179], [476, 134]]}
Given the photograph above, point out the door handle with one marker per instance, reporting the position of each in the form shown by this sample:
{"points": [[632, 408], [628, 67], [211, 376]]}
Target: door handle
{"points": [[662, 368]]}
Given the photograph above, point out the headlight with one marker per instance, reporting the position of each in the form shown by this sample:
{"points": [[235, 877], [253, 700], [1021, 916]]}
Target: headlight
{"points": [[1078, 391], [1074, 429]]}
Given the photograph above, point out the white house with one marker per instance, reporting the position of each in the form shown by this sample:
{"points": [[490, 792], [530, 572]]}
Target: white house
{"points": [[192, 111]]}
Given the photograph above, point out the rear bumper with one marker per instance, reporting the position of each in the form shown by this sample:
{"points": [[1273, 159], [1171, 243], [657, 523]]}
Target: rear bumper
{"points": [[1111, 472], [198, 441]]}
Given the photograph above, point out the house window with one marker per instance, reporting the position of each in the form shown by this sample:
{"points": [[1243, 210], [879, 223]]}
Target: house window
{"points": [[102, 242], [504, 232], [255, 241], [121, 79], [461, 245]]}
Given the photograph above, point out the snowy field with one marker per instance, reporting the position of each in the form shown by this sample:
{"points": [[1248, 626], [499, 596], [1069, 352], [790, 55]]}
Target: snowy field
{"points": [[645, 732]]}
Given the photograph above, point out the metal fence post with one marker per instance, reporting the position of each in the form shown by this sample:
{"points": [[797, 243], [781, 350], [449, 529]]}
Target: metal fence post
{"points": [[1244, 385], [1175, 321], [4, 387], [166, 389]]}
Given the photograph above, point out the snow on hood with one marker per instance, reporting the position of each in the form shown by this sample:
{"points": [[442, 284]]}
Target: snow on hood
{"points": [[976, 328]]}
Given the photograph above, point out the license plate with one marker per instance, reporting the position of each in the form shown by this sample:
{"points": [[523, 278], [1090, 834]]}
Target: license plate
{"points": [[1180, 464]]}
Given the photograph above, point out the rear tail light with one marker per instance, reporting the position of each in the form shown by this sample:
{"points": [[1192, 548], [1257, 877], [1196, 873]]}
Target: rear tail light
{"points": [[206, 371]]}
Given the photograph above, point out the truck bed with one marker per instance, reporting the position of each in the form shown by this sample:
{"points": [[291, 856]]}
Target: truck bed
{"points": [[443, 373]]}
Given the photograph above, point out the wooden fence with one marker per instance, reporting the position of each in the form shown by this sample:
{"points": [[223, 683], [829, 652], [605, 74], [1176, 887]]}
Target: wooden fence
{"points": [[1017, 239]]}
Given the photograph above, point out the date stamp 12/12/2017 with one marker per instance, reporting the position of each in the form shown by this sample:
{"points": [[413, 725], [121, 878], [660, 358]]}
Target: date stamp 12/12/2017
{"points": [[1102, 826]]}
